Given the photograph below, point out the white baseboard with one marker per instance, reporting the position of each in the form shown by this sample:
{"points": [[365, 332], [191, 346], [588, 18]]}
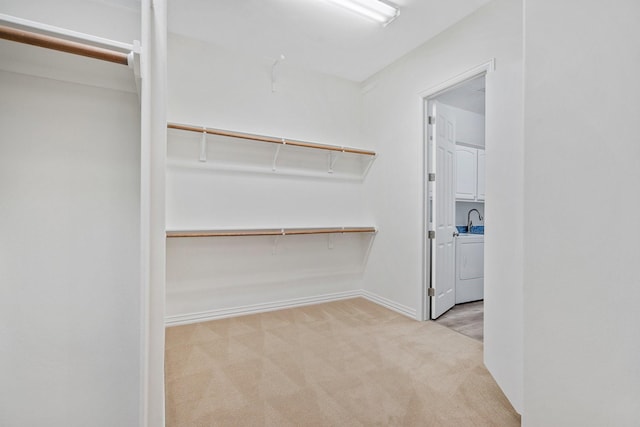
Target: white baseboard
{"points": [[204, 316], [221, 313], [391, 305]]}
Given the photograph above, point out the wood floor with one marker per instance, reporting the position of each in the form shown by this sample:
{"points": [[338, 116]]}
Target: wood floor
{"points": [[468, 319], [345, 363]]}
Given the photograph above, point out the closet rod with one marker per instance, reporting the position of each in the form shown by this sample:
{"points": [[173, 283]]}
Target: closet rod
{"points": [[62, 45], [270, 139], [270, 232]]}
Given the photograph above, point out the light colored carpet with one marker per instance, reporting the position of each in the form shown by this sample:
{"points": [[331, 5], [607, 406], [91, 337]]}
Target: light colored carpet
{"points": [[345, 363]]}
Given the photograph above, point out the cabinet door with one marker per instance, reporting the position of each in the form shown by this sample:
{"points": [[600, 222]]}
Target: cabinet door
{"points": [[471, 259], [481, 170], [466, 173]]}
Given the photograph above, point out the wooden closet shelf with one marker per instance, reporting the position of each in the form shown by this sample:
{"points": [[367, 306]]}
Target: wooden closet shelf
{"points": [[270, 139], [62, 45], [269, 232]]}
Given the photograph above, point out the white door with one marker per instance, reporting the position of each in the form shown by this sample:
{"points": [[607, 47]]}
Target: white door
{"points": [[443, 221]]}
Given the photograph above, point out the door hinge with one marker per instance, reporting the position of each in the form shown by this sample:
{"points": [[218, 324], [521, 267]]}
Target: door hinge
{"points": [[431, 234], [432, 177], [431, 120], [431, 292]]}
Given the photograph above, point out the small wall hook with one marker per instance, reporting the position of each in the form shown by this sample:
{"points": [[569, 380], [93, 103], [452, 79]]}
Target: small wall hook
{"points": [[273, 72]]}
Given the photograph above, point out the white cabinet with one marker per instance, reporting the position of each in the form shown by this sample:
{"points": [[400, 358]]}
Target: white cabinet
{"points": [[469, 268], [469, 173], [469, 128], [466, 173], [481, 169]]}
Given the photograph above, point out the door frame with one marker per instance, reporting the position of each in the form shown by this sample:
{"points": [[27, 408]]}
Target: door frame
{"points": [[426, 97]]}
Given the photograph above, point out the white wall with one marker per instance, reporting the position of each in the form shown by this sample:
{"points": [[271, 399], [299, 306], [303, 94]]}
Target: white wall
{"points": [[209, 86], [70, 210], [393, 123], [503, 319], [69, 185], [582, 340]]}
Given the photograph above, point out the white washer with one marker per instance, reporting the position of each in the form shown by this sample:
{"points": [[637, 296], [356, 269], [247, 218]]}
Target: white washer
{"points": [[469, 267]]}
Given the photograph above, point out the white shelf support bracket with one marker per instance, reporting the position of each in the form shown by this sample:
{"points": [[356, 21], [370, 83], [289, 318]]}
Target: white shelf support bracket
{"points": [[366, 169], [274, 72], [333, 157], [276, 154], [133, 60], [330, 241], [276, 239], [367, 252], [203, 146]]}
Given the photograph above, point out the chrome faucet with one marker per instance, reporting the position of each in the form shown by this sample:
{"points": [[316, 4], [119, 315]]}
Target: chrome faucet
{"points": [[469, 223]]}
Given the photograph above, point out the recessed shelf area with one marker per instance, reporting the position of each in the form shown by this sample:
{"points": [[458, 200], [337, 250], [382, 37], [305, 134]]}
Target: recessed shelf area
{"points": [[268, 232], [226, 150], [269, 139]]}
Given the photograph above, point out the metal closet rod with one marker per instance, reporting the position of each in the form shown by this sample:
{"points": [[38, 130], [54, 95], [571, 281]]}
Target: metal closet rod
{"points": [[269, 139], [270, 232], [62, 45]]}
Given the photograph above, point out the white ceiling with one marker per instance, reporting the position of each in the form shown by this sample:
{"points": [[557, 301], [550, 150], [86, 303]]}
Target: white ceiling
{"points": [[316, 34]]}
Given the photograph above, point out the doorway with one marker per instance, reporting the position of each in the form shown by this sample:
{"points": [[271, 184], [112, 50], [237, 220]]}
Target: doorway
{"points": [[454, 199]]}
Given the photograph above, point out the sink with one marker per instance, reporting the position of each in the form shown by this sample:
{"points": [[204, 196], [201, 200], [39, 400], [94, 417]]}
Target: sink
{"points": [[475, 229]]}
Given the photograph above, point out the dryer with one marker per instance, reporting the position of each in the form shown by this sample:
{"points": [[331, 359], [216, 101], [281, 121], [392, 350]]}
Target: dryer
{"points": [[469, 268]]}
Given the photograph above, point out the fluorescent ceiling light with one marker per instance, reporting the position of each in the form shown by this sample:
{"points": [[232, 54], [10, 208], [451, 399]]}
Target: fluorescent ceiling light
{"points": [[377, 10]]}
